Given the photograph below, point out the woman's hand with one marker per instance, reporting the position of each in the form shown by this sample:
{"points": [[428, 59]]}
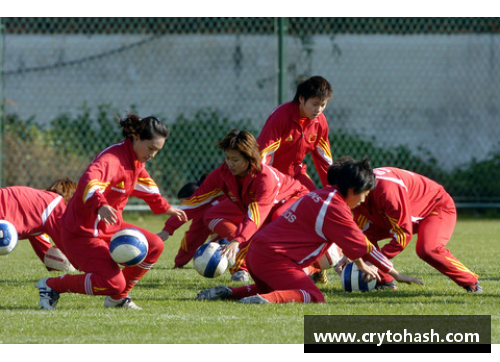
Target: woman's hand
{"points": [[108, 214], [180, 214], [341, 264], [370, 271], [230, 250], [407, 279]]}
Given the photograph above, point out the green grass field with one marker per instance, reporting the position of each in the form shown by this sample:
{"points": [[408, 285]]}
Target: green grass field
{"points": [[170, 314]]}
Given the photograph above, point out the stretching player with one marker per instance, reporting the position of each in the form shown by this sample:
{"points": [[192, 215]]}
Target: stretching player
{"points": [[94, 214], [300, 236], [405, 203], [36, 214], [297, 128], [256, 194]]}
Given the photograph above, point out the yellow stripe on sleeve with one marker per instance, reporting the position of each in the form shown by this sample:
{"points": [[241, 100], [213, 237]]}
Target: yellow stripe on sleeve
{"points": [[147, 181], [254, 213], [398, 232], [324, 146], [271, 148], [92, 187], [202, 199], [369, 246]]}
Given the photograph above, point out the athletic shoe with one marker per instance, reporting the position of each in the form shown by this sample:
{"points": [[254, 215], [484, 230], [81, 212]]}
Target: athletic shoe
{"points": [[221, 292], [474, 288], [48, 297], [125, 303], [320, 277], [386, 286], [255, 299], [240, 276]]}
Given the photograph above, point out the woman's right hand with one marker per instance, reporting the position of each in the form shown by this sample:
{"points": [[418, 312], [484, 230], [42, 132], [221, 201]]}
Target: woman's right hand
{"points": [[108, 214]]}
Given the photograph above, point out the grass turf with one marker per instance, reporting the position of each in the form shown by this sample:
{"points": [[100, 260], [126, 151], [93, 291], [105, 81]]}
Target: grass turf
{"points": [[170, 314]]}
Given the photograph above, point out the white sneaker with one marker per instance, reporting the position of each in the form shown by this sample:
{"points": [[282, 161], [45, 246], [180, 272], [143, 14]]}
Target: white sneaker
{"points": [[255, 299], [120, 303], [220, 292], [240, 276], [48, 297]]}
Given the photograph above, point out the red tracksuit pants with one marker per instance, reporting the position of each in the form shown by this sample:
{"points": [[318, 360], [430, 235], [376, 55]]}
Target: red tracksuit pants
{"points": [[278, 279], [102, 276], [434, 232]]}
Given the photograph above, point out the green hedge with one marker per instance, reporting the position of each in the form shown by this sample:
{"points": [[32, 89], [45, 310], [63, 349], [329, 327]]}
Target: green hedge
{"points": [[35, 155]]}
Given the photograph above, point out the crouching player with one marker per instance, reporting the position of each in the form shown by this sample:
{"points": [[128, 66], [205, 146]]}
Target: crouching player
{"points": [[279, 252], [405, 203], [95, 213], [36, 214]]}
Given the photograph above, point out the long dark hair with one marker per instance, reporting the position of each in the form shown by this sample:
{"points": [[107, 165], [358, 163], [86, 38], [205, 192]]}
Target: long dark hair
{"points": [[146, 128], [348, 173]]}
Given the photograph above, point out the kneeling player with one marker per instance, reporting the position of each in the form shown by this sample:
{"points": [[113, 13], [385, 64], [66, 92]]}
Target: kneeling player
{"points": [[279, 252]]}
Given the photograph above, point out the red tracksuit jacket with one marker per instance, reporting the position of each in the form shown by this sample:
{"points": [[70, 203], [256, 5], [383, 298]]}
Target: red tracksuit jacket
{"points": [[32, 212], [255, 195], [113, 176], [284, 141], [397, 204], [311, 225]]}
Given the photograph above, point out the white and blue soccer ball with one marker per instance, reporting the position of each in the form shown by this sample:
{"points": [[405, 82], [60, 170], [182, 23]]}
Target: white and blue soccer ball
{"points": [[8, 237], [208, 261], [128, 247], [352, 280]]}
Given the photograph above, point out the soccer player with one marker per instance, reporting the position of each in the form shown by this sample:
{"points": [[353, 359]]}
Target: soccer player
{"points": [[256, 194], [405, 203], [94, 214], [300, 236], [297, 128], [36, 214]]}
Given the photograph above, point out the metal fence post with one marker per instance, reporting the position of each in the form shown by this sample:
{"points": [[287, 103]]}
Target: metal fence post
{"points": [[1, 102], [282, 30]]}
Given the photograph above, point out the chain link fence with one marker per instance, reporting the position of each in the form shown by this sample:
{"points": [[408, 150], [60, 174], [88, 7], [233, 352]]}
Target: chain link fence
{"points": [[418, 93]]}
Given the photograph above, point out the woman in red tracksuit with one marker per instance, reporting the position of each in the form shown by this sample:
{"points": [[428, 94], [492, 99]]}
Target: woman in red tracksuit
{"points": [[256, 194], [36, 214], [297, 128], [405, 203], [300, 236], [94, 214]]}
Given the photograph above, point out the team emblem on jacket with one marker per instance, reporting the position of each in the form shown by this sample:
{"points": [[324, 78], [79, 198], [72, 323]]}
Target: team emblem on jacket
{"points": [[313, 138]]}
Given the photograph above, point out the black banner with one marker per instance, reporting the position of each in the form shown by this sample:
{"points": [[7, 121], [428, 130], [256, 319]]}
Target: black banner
{"points": [[398, 334]]}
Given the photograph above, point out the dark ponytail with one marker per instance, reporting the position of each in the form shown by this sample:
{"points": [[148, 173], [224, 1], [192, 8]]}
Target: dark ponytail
{"points": [[146, 128]]}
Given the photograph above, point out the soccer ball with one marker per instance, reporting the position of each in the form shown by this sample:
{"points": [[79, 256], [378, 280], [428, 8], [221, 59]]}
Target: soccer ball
{"points": [[55, 259], [208, 262], [352, 280], [8, 237], [330, 258], [128, 247]]}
